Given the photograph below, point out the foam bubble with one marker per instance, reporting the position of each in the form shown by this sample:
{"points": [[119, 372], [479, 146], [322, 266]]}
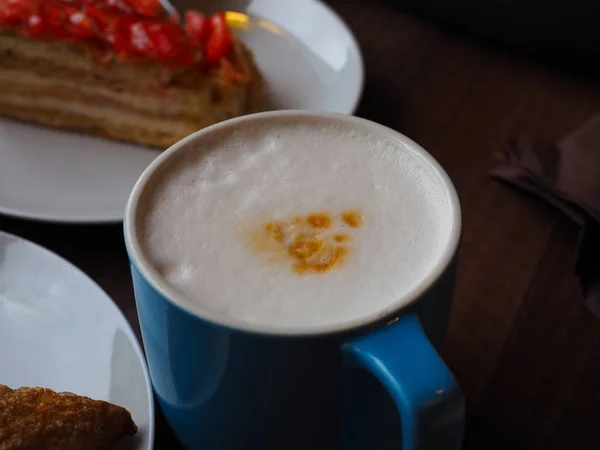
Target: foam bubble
{"points": [[201, 209]]}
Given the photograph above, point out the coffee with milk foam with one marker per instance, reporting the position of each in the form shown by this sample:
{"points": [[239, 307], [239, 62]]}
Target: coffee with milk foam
{"points": [[296, 223]]}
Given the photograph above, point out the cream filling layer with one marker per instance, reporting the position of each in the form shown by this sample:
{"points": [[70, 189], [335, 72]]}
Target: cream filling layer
{"points": [[164, 103], [114, 116]]}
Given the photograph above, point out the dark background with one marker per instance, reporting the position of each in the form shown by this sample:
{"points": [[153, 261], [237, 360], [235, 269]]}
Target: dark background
{"points": [[557, 32]]}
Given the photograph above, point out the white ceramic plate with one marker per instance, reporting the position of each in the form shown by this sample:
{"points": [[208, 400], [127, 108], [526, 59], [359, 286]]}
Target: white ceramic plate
{"points": [[59, 330], [310, 60]]}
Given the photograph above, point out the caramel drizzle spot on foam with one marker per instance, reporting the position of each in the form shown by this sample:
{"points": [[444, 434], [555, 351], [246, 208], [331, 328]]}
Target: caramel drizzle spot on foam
{"points": [[308, 241], [352, 218]]}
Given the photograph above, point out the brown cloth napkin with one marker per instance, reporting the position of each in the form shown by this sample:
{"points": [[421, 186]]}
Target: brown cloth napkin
{"points": [[567, 175]]}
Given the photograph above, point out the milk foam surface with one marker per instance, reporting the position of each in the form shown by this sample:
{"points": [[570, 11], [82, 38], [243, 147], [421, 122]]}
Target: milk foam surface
{"points": [[200, 208]]}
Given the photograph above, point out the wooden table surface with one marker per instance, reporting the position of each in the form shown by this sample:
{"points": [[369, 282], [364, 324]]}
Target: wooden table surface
{"points": [[524, 348]]}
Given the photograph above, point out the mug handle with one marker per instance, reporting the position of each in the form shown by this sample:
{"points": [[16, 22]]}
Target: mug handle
{"points": [[429, 401]]}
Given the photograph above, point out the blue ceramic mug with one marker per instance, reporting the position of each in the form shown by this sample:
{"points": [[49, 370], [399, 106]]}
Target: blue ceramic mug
{"points": [[379, 384]]}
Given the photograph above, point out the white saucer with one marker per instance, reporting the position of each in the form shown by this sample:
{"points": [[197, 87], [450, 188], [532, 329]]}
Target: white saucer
{"points": [[59, 330], [310, 60]]}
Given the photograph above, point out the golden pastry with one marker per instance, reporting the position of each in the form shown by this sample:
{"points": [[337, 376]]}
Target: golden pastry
{"points": [[33, 418]]}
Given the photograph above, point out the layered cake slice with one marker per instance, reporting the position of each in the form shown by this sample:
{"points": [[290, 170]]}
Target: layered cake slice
{"points": [[122, 69]]}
